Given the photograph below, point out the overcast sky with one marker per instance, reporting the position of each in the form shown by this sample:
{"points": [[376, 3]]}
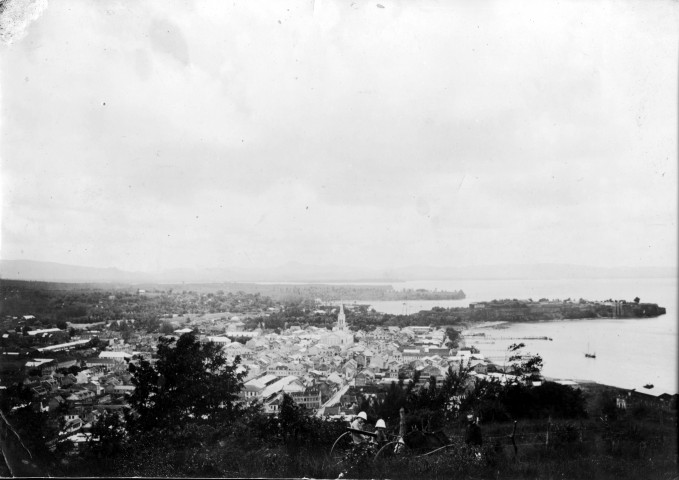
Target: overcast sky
{"points": [[153, 135]]}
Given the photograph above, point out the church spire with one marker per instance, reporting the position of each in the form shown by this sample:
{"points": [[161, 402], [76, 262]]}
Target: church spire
{"points": [[341, 319]]}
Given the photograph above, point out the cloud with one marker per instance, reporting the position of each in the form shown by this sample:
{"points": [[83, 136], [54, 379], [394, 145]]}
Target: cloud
{"points": [[16, 16], [181, 132]]}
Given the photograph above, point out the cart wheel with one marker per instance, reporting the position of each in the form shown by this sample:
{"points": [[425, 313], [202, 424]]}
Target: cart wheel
{"points": [[337, 441], [384, 449]]}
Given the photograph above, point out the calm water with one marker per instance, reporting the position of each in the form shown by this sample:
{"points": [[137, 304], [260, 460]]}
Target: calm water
{"points": [[630, 352]]}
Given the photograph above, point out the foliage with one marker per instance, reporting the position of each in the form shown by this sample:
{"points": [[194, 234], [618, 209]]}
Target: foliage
{"points": [[33, 428], [548, 399], [453, 337], [525, 367], [166, 328], [109, 435], [426, 408], [605, 405], [83, 303], [15, 395], [190, 382]]}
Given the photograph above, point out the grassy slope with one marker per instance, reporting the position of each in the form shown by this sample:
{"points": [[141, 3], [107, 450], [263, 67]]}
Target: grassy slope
{"points": [[640, 443]]}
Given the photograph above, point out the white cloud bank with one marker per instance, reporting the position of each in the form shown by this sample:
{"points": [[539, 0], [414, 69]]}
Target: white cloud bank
{"points": [[148, 135]]}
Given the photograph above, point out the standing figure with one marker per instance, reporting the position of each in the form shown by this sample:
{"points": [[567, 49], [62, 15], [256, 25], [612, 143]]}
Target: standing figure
{"points": [[473, 436], [357, 424], [381, 428]]}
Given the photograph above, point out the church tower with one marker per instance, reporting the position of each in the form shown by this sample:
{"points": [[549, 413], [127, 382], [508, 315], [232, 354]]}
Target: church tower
{"points": [[341, 319]]}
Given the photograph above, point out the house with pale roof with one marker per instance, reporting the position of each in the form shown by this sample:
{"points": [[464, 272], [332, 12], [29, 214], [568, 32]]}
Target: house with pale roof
{"points": [[253, 370], [83, 376], [379, 361], [117, 356], [315, 349], [432, 371], [365, 377], [393, 368], [479, 366], [335, 378], [396, 356], [257, 343], [42, 364], [252, 389], [350, 368], [279, 369], [219, 340], [309, 398], [237, 349], [80, 395], [287, 384]]}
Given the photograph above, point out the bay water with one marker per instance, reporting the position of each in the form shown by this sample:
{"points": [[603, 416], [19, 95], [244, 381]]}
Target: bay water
{"points": [[630, 353]]}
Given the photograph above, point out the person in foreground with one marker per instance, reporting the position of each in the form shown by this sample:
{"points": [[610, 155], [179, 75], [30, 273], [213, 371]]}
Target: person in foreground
{"points": [[358, 424]]}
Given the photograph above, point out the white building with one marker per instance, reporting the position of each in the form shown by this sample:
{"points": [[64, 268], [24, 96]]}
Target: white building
{"points": [[340, 336], [117, 356]]}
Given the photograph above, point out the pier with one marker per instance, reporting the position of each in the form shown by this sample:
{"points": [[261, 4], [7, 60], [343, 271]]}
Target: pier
{"points": [[514, 338]]}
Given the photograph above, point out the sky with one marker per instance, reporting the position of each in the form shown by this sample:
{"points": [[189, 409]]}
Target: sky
{"points": [[151, 135]]}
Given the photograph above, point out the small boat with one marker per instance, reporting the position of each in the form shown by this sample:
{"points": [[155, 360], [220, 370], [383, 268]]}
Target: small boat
{"points": [[588, 354], [648, 385]]}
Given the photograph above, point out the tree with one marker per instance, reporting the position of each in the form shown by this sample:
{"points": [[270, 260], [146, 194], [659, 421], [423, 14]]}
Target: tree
{"points": [[453, 336], [125, 331], [166, 328], [455, 382], [524, 366], [190, 382], [291, 418], [637, 300], [109, 435]]}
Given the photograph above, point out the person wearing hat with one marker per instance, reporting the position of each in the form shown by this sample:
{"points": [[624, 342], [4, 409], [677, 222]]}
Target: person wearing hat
{"points": [[473, 434], [381, 430], [357, 424]]}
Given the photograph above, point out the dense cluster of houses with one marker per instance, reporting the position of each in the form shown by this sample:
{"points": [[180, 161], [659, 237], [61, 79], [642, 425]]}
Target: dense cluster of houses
{"points": [[332, 379], [327, 372], [73, 382]]}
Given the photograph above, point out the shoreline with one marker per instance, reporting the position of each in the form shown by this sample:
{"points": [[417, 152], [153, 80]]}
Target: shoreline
{"points": [[554, 320], [592, 386], [618, 341]]}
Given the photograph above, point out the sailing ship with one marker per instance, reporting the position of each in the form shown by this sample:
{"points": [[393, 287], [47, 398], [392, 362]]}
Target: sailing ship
{"points": [[590, 354]]}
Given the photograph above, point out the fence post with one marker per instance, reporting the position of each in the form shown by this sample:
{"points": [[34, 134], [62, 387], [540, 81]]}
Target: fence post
{"points": [[516, 450], [549, 423], [402, 423]]}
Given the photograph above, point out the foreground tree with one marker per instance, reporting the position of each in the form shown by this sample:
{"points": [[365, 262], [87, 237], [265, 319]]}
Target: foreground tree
{"points": [[189, 382], [524, 366]]}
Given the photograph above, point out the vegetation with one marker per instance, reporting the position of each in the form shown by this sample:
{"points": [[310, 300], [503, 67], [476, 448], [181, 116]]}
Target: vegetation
{"points": [[190, 382], [184, 418], [89, 304], [187, 399]]}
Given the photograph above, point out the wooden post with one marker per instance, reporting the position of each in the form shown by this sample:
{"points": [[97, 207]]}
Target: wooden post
{"points": [[401, 431], [402, 424], [513, 437], [549, 422]]}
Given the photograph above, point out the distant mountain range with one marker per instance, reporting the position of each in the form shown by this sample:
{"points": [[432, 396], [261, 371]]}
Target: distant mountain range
{"points": [[297, 272]]}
